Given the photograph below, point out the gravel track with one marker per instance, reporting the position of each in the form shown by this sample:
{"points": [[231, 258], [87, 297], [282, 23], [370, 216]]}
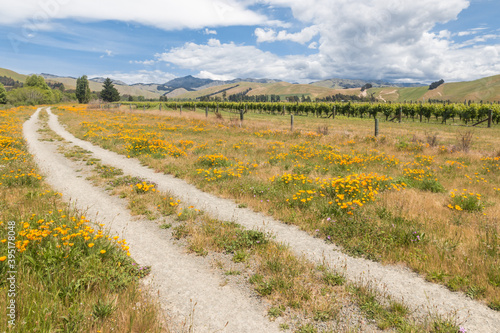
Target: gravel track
{"points": [[182, 280], [399, 283]]}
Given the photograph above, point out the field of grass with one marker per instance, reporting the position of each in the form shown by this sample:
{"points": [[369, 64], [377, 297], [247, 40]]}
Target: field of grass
{"points": [[308, 296], [419, 194], [71, 276]]}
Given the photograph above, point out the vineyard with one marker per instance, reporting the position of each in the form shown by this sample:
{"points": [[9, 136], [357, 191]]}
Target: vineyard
{"points": [[467, 114]]}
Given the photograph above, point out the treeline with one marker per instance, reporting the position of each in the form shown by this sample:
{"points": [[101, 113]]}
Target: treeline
{"points": [[10, 83], [34, 91], [409, 111]]}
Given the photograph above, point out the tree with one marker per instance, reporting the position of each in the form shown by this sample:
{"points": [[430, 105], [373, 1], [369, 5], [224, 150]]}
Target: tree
{"points": [[83, 90], [109, 92], [366, 87], [3, 94], [436, 84], [37, 82]]}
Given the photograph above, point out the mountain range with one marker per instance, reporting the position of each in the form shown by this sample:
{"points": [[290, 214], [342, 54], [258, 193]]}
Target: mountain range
{"points": [[190, 87]]}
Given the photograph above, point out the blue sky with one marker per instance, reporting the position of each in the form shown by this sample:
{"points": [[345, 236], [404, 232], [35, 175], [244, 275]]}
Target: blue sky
{"points": [[292, 40]]}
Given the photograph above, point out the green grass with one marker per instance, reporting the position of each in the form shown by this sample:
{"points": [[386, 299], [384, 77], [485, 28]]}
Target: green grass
{"points": [[412, 94]]}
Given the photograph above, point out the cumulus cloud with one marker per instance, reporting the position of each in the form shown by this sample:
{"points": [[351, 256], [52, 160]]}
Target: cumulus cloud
{"points": [[209, 32], [143, 76], [302, 37], [212, 76], [231, 60], [169, 15], [390, 39]]}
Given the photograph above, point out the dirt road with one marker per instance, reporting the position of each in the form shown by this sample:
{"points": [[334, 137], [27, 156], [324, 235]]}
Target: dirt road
{"points": [[401, 284]]}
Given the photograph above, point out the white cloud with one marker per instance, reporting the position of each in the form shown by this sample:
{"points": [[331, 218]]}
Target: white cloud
{"points": [[372, 47], [209, 32], [231, 60], [466, 33], [212, 76], [302, 37], [168, 15], [313, 46], [107, 53], [142, 76], [390, 39], [143, 62]]}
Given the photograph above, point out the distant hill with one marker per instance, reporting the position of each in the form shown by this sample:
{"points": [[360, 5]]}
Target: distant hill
{"points": [[283, 89], [347, 84], [146, 90], [102, 79], [191, 83]]}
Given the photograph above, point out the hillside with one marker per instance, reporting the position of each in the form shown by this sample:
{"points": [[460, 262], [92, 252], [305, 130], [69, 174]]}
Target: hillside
{"points": [[13, 75], [348, 84], [148, 91], [230, 88], [283, 89], [485, 89]]}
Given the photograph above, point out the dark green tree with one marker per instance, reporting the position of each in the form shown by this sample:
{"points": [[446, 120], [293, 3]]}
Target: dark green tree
{"points": [[3, 94], [109, 92], [83, 90]]}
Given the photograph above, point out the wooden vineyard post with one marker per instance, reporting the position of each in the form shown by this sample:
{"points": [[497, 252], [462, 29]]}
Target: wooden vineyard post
{"points": [[334, 111], [490, 117], [144, 108], [206, 112], [241, 118], [194, 108], [291, 123], [180, 110], [160, 106], [376, 127], [400, 114], [217, 107]]}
